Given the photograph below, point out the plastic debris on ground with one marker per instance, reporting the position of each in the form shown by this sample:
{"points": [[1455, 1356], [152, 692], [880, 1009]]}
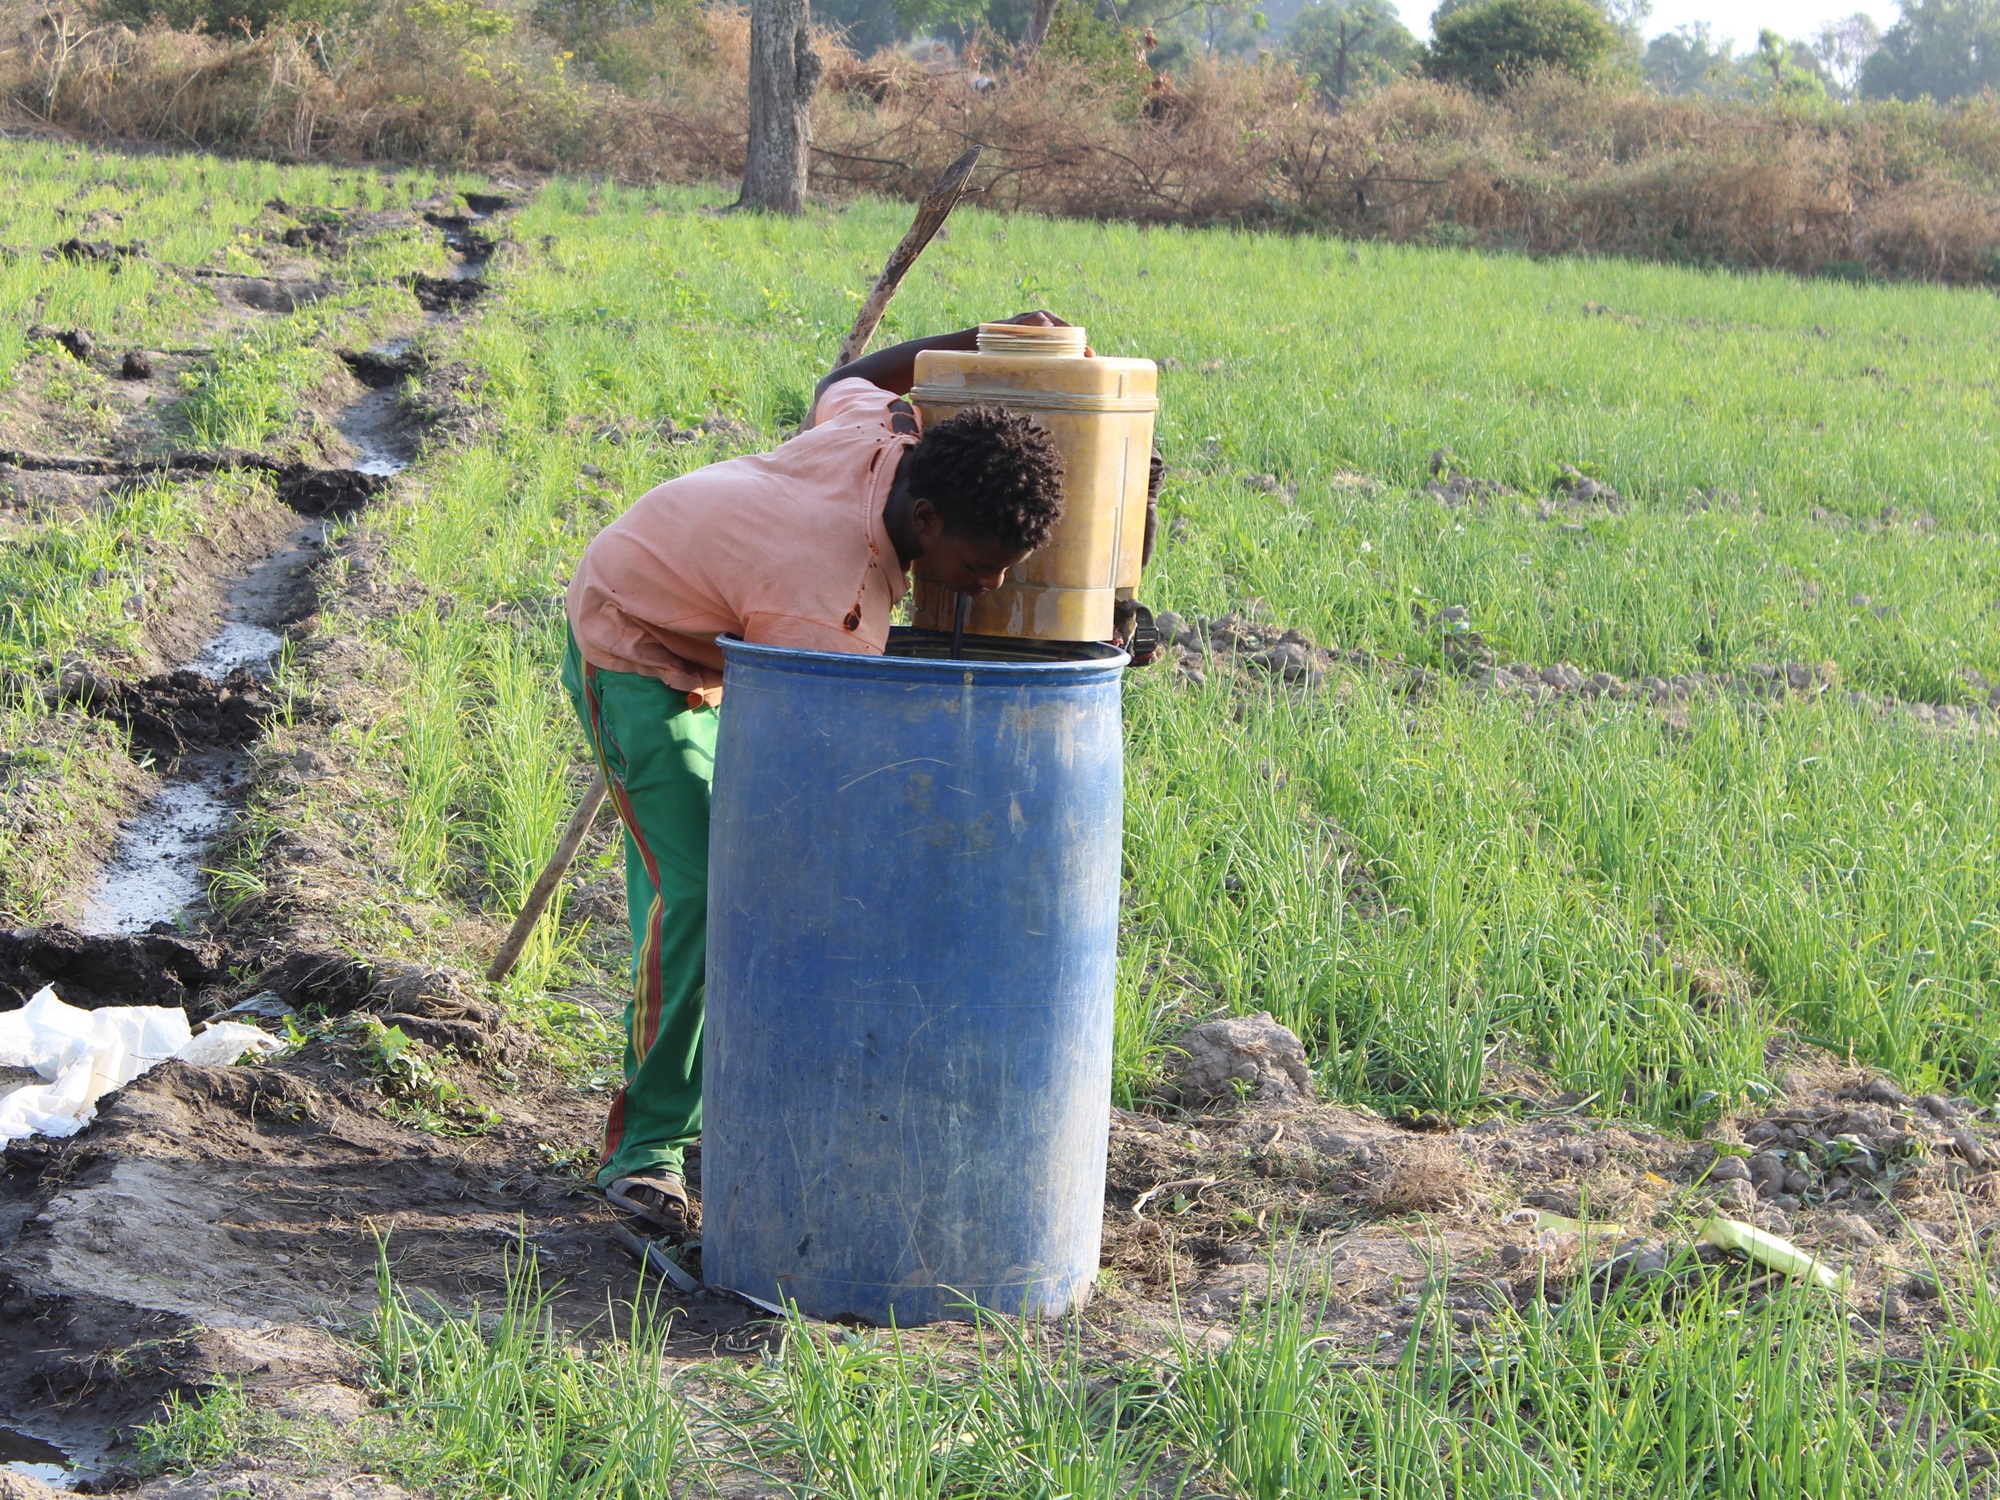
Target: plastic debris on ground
{"points": [[1769, 1250], [1754, 1244], [79, 1056]]}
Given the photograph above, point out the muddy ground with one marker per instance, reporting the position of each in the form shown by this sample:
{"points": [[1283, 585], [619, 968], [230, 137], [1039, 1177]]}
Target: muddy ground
{"points": [[228, 1221]]}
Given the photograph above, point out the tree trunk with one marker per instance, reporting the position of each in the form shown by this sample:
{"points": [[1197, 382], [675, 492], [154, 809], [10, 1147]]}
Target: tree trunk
{"points": [[1038, 25], [784, 71]]}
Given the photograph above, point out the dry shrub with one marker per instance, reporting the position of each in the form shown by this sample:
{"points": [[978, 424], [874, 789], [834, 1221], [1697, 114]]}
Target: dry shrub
{"points": [[1553, 166], [1969, 133], [1420, 1177], [399, 89], [1930, 229]]}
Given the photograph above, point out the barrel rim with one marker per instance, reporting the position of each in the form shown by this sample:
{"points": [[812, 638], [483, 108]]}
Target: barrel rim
{"points": [[1104, 667]]}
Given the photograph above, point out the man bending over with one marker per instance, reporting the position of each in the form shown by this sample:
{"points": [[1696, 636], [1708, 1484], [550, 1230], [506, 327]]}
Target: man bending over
{"points": [[806, 546]]}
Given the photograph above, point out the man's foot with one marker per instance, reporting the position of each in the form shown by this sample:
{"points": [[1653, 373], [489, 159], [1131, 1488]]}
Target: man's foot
{"points": [[659, 1199]]}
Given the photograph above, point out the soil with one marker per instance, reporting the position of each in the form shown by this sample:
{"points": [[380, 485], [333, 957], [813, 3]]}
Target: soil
{"points": [[326, 494], [259, 1202], [229, 1220], [1252, 1055], [1196, 1205], [95, 971], [381, 368], [1247, 645], [443, 294], [178, 713], [66, 405], [265, 294]]}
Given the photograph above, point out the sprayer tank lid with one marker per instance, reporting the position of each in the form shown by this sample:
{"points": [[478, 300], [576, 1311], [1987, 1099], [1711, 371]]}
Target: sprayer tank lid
{"points": [[1022, 338]]}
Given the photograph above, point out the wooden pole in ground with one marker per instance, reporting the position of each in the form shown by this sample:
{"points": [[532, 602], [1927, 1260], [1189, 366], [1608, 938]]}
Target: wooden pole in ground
{"points": [[545, 884], [931, 214]]}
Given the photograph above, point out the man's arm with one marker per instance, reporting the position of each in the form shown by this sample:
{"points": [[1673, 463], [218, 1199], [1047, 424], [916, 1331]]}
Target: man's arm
{"points": [[895, 368]]}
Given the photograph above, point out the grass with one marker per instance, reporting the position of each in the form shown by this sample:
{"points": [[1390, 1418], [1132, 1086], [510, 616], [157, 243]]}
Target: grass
{"points": [[481, 771], [77, 581], [78, 585], [1351, 360], [520, 1410], [1670, 1390], [63, 779], [249, 394], [183, 211], [1536, 884]]}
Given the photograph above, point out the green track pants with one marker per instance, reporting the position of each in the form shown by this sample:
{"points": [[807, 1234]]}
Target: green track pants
{"points": [[658, 758]]}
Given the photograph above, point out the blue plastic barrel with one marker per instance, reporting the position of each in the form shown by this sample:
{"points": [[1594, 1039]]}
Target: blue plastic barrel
{"points": [[912, 946]]}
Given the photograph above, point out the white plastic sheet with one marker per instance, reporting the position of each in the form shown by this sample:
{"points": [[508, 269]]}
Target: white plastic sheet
{"points": [[81, 1055]]}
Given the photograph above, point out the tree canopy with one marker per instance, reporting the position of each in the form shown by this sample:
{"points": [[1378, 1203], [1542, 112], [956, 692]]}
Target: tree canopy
{"points": [[1487, 44], [1344, 44], [1944, 48]]}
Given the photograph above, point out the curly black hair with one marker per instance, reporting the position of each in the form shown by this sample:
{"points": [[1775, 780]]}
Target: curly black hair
{"points": [[992, 474]]}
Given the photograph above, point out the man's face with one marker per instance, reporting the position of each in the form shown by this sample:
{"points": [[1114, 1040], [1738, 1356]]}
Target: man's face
{"points": [[969, 565], [964, 564]]}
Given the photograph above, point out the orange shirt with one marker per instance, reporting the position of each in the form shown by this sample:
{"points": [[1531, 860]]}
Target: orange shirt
{"points": [[785, 548]]}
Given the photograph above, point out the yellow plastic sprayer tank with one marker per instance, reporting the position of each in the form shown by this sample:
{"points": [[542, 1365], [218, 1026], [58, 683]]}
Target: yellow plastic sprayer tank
{"points": [[1100, 412]]}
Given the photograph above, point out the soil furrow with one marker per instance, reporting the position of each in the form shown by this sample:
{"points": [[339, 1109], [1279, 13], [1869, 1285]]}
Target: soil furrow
{"points": [[1286, 656], [198, 721], [134, 1236]]}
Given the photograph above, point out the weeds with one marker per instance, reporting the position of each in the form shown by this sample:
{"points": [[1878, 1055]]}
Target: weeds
{"points": [[417, 1091], [1685, 1386], [1412, 876], [509, 1406], [1522, 876], [1408, 883], [174, 213], [249, 394], [197, 1432], [78, 587]]}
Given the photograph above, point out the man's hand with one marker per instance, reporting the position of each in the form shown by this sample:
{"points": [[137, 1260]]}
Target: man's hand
{"points": [[894, 369], [1046, 320]]}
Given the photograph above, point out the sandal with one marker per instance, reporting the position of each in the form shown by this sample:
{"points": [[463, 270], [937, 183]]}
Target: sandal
{"points": [[660, 1199]]}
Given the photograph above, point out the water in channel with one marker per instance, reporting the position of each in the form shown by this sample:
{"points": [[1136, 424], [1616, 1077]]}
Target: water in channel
{"points": [[155, 873], [34, 1458]]}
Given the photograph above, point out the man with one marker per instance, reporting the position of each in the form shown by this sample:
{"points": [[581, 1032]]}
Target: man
{"points": [[806, 546]]}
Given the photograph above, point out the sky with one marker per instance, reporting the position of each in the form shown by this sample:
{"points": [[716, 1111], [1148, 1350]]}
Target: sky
{"points": [[1741, 19], [1790, 18]]}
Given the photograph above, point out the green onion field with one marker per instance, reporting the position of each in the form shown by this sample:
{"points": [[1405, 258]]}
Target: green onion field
{"points": [[1744, 859]]}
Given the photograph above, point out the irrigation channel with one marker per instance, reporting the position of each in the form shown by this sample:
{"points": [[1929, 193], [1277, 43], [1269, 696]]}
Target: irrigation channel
{"points": [[153, 881], [154, 875]]}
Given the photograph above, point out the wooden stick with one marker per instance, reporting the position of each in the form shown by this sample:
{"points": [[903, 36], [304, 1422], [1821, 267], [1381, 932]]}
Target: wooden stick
{"points": [[546, 883], [931, 214]]}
